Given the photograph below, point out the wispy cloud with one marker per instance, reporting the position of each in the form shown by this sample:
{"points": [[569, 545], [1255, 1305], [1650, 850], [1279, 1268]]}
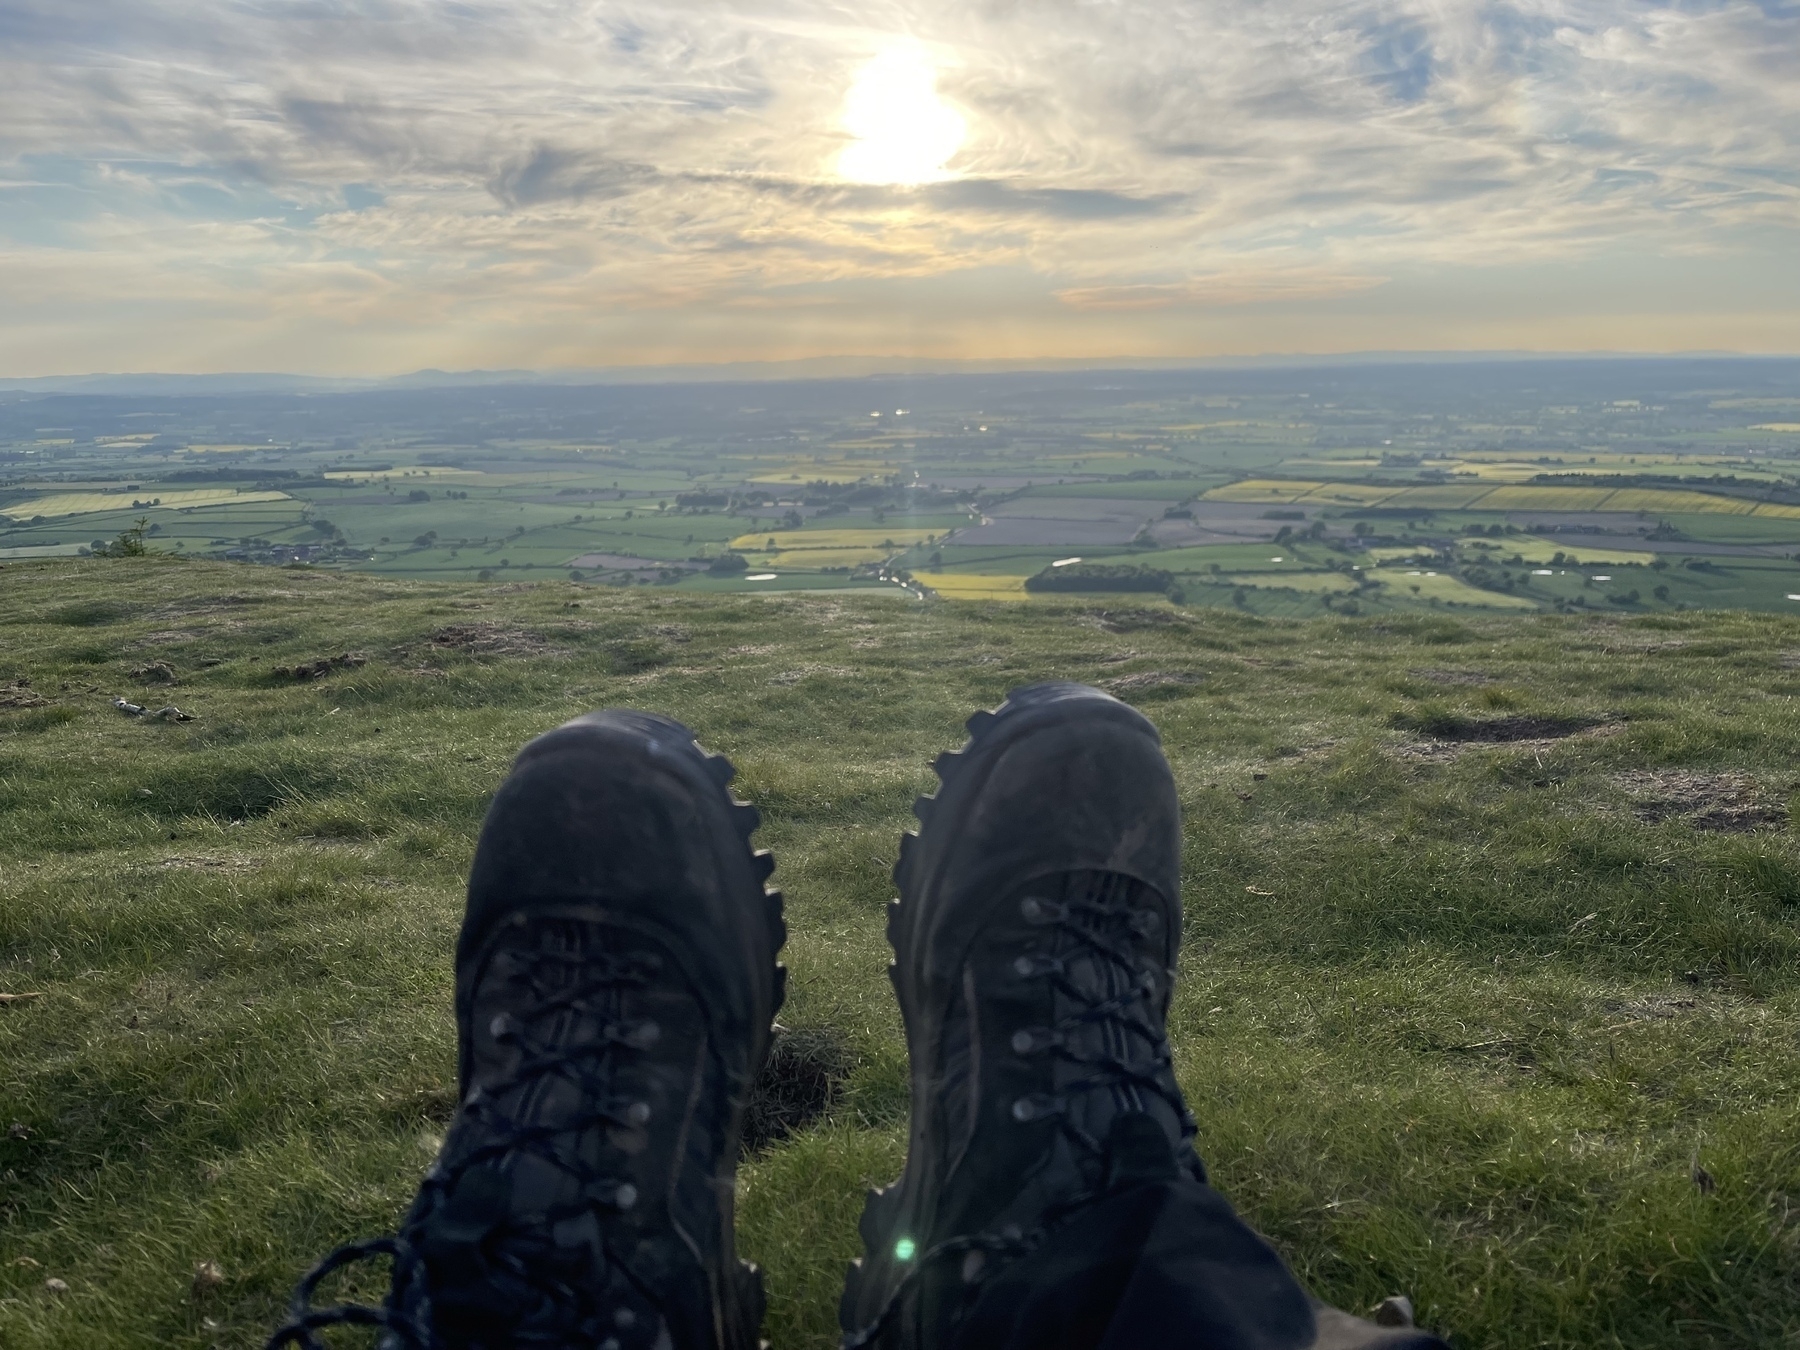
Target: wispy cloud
{"points": [[1246, 287], [550, 157]]}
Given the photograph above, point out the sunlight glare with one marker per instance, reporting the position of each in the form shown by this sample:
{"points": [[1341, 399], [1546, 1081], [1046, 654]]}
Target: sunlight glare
{"points": [[904, 132]]}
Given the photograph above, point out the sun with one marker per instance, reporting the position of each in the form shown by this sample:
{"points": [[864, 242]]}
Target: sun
{"points": [[903, 131]]}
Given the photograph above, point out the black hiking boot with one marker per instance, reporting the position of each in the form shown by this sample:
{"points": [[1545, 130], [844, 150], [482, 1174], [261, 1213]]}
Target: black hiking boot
{"points": [[615, 986], [1052, 1196], [1034, 947]]}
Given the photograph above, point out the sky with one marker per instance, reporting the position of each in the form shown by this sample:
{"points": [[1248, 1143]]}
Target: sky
{"points": [[364, 187]]}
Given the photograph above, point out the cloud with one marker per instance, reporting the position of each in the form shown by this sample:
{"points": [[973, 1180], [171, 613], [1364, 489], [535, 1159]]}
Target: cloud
{"points": [[1141, 156], [1239, 288]]}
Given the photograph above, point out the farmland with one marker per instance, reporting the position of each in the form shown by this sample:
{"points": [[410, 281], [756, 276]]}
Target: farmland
{"points": [[1632, 487]]}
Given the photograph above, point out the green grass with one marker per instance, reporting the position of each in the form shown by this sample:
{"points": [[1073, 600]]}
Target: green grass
{"points": [[1467, 1038]]}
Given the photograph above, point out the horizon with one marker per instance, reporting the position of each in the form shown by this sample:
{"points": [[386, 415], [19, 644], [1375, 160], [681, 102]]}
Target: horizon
{"points": [[549, 186], [827, 369]]}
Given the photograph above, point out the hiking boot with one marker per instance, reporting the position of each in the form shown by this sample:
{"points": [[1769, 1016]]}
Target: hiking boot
{"points": [[615, 986], [1034, 949]]}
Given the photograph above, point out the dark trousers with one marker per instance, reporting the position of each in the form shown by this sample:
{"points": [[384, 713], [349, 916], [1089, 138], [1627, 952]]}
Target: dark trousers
{"points": [[1164, 1265]]}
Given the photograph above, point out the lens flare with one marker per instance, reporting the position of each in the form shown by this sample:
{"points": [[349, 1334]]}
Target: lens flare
{"points": [[904, 132]]}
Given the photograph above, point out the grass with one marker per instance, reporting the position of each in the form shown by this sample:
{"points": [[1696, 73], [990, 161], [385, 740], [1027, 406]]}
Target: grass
{"points": [[1470, 1007]]}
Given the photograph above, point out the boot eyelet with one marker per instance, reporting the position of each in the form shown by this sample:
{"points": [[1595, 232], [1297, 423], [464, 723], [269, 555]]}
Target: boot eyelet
{"points": [[1038, 1107], [1032, 1040]]}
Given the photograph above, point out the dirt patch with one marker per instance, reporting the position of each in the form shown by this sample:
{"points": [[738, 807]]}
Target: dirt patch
{"points": [[1523, 732], [1443, 725], [763, 650], [674, 632], [1512, 727], [1152, 682], [1730, 802], [1451, 677], [488, 639], [20, 694], [802, 1080], [166, 636], [319, 667], [428, 673], [154, 672]]}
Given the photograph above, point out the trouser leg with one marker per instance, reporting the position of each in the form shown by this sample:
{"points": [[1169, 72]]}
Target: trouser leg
{"points": [[1163, 1265]]}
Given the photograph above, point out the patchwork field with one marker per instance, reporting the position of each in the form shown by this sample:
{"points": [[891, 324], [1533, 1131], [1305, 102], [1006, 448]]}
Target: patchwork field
{"points": [[1489, 991], [1664, 485]]}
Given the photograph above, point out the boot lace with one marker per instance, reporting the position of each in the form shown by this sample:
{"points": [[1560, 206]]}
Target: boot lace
{"points": [[1113, 1027], [552, 985], [1118, 1007]]}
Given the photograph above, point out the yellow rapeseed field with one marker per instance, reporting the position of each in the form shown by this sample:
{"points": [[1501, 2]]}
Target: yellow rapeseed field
{"points": [[84, 503], [973, 585], [1442, 497]]}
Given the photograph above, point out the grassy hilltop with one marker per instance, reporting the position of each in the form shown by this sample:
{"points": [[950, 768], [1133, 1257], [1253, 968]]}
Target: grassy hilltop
{"points": [[1491, 975]]}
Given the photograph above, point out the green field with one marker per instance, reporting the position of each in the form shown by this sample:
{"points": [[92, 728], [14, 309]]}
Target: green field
{"points": [[1332, 473], [1490, 985]]}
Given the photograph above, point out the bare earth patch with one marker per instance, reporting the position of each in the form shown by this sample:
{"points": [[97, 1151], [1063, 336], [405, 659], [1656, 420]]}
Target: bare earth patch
{"points": [[319, 667], [20, 694], [1731, 802], [154, 672], [488, 639], [1522, 731], [802, 1080]]}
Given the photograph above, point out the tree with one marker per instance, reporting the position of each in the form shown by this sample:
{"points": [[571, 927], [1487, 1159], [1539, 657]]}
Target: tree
{"points": [[130, 543]]}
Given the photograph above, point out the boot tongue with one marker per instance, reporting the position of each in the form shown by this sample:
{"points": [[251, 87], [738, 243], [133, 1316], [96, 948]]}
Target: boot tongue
{"points": [[1138, 1153]]}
